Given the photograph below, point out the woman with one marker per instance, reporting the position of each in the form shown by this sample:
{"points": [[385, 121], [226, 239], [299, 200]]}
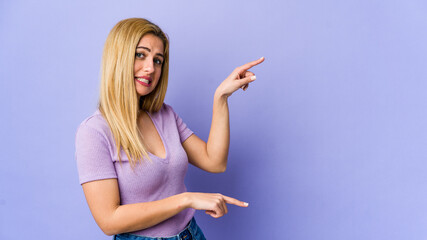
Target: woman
{"points": [[133, 152]]}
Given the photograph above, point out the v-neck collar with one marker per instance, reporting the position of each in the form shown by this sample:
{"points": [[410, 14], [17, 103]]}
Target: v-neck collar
{"points": [[152, 118]]}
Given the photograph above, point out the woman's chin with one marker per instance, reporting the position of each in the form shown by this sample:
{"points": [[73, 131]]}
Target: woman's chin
{"points": [[142, 91]]}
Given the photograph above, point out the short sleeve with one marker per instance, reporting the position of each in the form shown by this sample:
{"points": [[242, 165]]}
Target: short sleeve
{"points": [[184, 131], [93, 155]]}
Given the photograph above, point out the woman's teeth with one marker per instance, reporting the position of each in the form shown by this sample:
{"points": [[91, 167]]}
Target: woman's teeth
{"points": [[143, 80]]}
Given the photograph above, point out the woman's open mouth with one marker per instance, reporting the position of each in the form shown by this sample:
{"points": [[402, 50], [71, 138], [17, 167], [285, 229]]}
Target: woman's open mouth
{"points": [[145, 81]]}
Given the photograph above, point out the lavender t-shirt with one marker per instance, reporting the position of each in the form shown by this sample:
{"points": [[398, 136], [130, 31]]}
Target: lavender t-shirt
{"points": [[96, 157]]}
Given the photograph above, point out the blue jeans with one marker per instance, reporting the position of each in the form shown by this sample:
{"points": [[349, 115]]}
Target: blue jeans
{"points": [[191, 232]]}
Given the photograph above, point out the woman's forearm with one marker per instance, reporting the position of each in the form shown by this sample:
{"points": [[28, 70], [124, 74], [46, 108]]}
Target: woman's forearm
{"points": [[137, 216], [219, 135], [134, 217]]}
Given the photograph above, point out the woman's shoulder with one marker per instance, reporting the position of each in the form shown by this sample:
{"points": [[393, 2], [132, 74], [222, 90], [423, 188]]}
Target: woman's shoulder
{"points": [[166, 109], [95, 122], [167, 112]]}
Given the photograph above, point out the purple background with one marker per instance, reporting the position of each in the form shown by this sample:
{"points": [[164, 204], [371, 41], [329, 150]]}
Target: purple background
{"points": [[330, 142]]}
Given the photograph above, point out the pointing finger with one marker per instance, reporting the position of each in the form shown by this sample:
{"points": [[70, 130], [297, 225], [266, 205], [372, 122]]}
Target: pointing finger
{"points": [[234, 201], [248, 65]]}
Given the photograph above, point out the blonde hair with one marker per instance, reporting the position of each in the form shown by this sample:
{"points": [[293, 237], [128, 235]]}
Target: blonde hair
{"points": [[118, 102]]}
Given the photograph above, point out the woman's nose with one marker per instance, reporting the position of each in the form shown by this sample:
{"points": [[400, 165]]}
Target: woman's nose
{"points": [[148, 66]]}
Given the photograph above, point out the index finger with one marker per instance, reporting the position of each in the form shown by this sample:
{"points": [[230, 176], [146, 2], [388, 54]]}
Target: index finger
{"points": [[234, 201], [251, 64]]}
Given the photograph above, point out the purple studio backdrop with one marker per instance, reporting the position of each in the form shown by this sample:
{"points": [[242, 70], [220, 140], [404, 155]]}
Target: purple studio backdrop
{"points": [[330, 141]]}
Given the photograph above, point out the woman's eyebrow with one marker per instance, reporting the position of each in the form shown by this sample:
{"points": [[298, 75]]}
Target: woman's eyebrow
{"points": [[146, 48], [149, 50]]}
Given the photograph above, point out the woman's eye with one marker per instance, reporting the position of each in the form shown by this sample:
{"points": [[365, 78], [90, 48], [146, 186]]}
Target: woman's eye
{"points": [[139, 55], [158, 61]]}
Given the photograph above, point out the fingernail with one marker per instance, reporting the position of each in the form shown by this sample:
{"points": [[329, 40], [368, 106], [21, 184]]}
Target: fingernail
{"points": [[253, 77], [246, 204]]}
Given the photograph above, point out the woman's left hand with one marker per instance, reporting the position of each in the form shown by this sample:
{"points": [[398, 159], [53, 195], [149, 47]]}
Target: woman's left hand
{"points": [[239, 78]]}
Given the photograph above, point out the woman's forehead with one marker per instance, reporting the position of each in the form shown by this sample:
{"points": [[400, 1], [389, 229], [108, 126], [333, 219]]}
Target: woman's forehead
{"points": [[152, 43]]}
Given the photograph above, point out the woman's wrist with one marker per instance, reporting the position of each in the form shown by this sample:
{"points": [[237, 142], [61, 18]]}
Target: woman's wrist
{"points": [[185, 200], [220, 96]]}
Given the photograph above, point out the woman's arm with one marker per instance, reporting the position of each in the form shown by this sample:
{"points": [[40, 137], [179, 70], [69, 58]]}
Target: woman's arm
{"points": [[103, 199], [212, 156]]}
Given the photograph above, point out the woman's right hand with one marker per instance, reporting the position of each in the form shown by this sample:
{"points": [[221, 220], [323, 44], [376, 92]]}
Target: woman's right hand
{"points": [[214, 204]]}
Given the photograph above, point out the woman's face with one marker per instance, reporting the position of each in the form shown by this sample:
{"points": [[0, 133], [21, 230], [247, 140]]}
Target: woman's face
{"points": [[148, 64]]}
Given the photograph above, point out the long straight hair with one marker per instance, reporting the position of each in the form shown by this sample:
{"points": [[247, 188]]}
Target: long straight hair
{"points": [[118, 102]]}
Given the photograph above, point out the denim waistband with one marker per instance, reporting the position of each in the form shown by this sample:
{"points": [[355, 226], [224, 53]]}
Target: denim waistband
{"points": [[191, 232]]}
